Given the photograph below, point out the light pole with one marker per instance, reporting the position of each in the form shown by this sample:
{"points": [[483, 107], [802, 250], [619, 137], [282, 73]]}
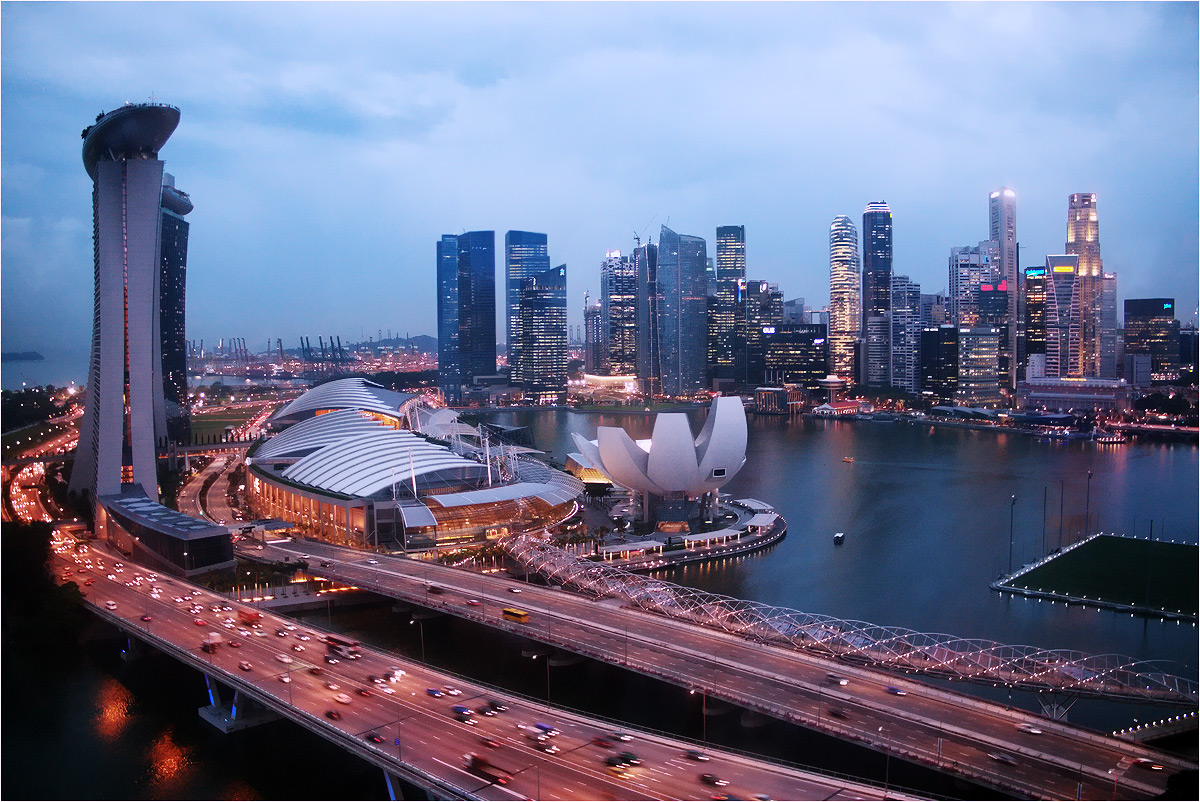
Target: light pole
{"points": [[703, 712], [1011, 511], [421, 627], [1087, 513], [1062, 494], [887, 761]]}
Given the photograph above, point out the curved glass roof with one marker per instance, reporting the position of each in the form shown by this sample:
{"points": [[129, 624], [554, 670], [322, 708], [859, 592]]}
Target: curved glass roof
{"points": [[355, 393], [309, 435]]}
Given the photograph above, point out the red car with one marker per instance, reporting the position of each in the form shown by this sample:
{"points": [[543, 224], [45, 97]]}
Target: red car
{"points": [[200, 622]]}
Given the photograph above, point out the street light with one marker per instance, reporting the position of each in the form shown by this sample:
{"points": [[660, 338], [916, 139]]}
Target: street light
{"points": [[887, 762], [421, 626], [703, 712], [1011, 510], [1088, 506]]}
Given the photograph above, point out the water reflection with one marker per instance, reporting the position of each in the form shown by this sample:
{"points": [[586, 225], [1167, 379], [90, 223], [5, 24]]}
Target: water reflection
{"points": [[169, 765], [113, 714]]}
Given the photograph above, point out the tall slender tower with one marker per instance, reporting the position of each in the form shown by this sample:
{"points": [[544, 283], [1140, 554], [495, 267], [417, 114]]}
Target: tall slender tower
{"points": [[649, 301], [730, 269], [449, 361], [477, 304], [543, 333], [525, 254], [117, 434], [1083, 240], [877, 291], [618, 313], [176, 421], [1002, 229], [683, 314], [845, 296]]}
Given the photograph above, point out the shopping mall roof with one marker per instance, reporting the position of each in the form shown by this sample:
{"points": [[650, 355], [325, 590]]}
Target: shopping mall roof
{"points": [[549, 493], [354, 393]]}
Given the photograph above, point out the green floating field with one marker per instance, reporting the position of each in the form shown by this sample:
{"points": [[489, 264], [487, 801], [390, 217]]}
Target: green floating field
{"points": [[212, 424], [1140, 573]]}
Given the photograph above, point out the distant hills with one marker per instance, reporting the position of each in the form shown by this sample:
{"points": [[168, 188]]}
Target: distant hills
{"points": [[33, 356]]}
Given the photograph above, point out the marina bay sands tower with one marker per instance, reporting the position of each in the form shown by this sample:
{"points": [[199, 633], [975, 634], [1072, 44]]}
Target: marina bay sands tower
{"points": [[125, 386]]}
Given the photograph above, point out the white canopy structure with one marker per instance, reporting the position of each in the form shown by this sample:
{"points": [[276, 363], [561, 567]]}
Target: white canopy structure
{"points": [[354, 393]]}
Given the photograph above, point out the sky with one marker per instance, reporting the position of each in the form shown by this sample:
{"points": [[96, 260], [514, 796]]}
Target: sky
{"points": [[327, 147]]}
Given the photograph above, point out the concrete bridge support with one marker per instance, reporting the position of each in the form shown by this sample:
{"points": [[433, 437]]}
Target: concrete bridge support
{"points": [[134, 648], [240, 714]]}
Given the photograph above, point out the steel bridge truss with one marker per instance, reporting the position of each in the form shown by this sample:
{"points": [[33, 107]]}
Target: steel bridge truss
{"points": [[890, 648]]}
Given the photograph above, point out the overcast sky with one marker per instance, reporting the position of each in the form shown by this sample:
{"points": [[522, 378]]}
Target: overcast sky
{"points": [[327, 146]]}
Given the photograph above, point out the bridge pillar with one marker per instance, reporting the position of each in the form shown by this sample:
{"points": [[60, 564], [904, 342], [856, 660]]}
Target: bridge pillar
{"points": [[394, 789], [240, 714], [134, 649]]}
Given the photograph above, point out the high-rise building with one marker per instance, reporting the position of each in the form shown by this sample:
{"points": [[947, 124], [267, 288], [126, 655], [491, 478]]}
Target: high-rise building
{"points": [[682, 319], [877, 287], [969, 267], [845, 296], [618, 320], [793, 312], [649, 302], [1083, 240], [1108, 326], [595, 355], [1035, 311], [979, 366], [1062, 316], [525, 254], [877, 347], [730, 269], [1002, 229], [172, 308], [906, 334], [449, 366], [935, 309], [939, 362], [796, 354], [477, 304], [1151, 328], [543, 333], [763, 305], [125, 385]]}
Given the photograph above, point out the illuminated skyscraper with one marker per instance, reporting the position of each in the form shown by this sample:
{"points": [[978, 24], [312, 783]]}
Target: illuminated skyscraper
{"points": [[730, 269], [969, 268], [1151, 329], [978, 366], [1062, 316], [176, 422], [618, 313], [1083, 240], [906, 334], [649, 301], [1035, 312], [1002, 229], [477, 304], [1108, 326], [683, 314], [125, 390], [525, 254], [877, 290], [763, 304], [845, 296], [543, 333], [595, 355]]}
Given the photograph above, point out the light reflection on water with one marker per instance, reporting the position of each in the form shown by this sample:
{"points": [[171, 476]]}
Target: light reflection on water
{"points": [[113, 702]]}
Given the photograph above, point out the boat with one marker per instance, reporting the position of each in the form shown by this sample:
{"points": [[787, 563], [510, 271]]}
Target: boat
{"points": [[847, 459], [839, 537], [1109, 438]]}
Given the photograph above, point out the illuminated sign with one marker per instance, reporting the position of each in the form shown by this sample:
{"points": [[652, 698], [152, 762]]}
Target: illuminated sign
{"points": [[768, 329], [985, 287], [1166, 306], [819, 341], [1063, 269], [1035, 271]]}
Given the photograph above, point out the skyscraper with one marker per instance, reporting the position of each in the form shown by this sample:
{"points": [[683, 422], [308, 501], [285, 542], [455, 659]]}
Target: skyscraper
{"points": [[477, 304], [449, 365], [939, 362], [1083, 240], [595, 355], [1035, 313], [682, 325], [1151, 328], [118, 431], [845, 296], [543, 333], [618, 313], [1108, 326], [525, 254], [172, 307], [969, 267], [906, 334], [1002, 229], [763, 306], [649, 301], [796, 354], [978, 366], [877, 288], [730, 268], [1062, 316]]}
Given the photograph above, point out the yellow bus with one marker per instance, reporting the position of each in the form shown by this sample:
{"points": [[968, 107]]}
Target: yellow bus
{"points": [[513, 614]]}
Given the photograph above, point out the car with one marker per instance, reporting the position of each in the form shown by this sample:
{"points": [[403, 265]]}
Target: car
{"points": [[112, 605], [696, 754], [316, 671], [303, 636], [620, 736], [245, 665], [285, 678], [342, 698], [387, 690], [374, 737], [497, 705], [333, 686], [90, 582], [258, 633], [894, 691], [601, 741], [333, 715], [490, 743], [473, 602], [329, 658], [283, 658], [245, 633], [514, 590], [620, 772], [451, 690], [297, 647], [147, 617], [548, 747], [1147, 763], [112, 576], [372, 562], [434, 692], [363, 692], [630, 758], [200, 622], [235, 644], [1003, 757], [466, 718], [462, 709], [837, 679], [1030, 728], [837, 712], [281, 633], [712, 779]]}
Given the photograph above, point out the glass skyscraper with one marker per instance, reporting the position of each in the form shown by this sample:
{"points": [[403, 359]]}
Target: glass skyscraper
{"points": [[172, 309], [543, 335], [649, 301], [845, 296], [1083, 240], [906, 334], [1002, 229], [618, 313], [449, 368], [877, 289], [525, 254], [730, 269], [969, 268], [1151, 328], [466, 279], [682, 325]]}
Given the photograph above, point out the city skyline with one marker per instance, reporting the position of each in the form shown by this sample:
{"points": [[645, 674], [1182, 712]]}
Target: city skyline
{"points": [[393, 137]]}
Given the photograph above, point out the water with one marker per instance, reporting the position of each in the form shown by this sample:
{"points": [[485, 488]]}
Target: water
{"points": [[59, 368]]}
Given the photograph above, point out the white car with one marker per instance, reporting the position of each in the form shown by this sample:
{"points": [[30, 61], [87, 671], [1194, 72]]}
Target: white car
{"points": [[284, 658], [112, 605]]}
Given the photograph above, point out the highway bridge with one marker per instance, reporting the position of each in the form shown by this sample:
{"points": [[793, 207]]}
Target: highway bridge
{"points": [[403, 728], [1006, 749]]}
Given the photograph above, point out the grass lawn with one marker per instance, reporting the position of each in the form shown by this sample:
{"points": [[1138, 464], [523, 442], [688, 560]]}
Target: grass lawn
{"points": [[1118, 570], [212, 424]]}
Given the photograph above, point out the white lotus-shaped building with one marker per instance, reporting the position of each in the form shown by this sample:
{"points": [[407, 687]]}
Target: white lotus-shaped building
{"points": [[673, 464]]}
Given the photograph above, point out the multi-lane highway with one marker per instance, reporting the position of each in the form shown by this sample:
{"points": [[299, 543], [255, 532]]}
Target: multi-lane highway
{"points": [[402, 724], [1006, 748]]}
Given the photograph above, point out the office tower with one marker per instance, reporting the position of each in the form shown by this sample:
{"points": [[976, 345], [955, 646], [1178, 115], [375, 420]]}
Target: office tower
{"points": [[543, 332], [1002, 229], [968, 268], [845, 296], [1083, 240], [730, 269], [1035, 311], [796, 353], [1062, 316], [939, 362], [477, 304], [877, 363], [935, 309], [1151, 328], [117, 433], [449, 366], [1108, 326], [594, 353], [906, 334], [793, 312], [649, 302], [1187, 354], [813, 317], [682, 323], [877, 286], [763, 307], [525, 254], [172, 307], [978, 366], [618, 302]]}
